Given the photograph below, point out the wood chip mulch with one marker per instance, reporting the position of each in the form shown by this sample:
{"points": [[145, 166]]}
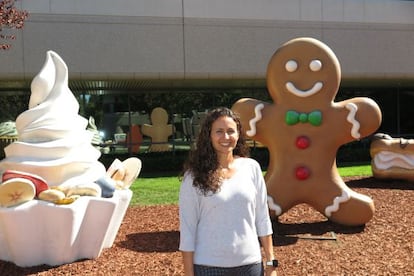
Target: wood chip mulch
{"points": [[305, 242]]}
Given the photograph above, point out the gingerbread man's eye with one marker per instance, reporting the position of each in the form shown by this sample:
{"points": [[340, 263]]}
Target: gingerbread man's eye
{"points": [[291, 66], [315, 65]]}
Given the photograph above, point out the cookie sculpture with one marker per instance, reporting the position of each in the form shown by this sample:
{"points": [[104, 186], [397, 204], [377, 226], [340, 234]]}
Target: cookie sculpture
{"points": [[303, 129], [159, 131], [392, 158]]}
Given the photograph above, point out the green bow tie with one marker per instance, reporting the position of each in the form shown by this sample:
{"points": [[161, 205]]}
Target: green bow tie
{"points": [[294, 117]]}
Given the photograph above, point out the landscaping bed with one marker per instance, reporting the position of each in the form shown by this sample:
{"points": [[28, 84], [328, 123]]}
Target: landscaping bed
{"points": [[305, 242]]}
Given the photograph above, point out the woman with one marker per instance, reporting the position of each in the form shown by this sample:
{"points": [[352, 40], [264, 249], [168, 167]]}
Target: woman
{"points": [[223, 204]]}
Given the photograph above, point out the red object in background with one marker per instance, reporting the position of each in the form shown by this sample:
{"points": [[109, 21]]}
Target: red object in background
{"points": [[134, 139]]}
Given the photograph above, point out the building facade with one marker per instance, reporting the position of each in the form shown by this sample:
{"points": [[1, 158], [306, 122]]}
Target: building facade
{"points": [[134, 47]]}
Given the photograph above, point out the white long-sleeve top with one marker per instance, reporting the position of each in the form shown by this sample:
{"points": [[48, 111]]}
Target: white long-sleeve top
{"points": [[222, 229]]}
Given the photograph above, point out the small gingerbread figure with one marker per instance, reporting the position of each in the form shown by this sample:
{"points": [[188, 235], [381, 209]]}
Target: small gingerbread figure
{"points": [[159, 131], [303, 129]]}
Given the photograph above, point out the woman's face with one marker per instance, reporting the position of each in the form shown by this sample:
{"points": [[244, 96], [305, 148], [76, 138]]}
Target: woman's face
{"points": [[224, 135]]}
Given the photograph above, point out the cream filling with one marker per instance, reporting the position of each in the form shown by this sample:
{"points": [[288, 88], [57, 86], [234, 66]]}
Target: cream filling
{"points": [[386, 159]]}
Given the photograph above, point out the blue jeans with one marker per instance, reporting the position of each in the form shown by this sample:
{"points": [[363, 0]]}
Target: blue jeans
{"points": [[245, 270]]}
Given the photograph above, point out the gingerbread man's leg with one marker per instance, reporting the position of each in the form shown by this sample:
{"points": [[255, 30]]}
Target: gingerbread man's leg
{"points": [[350, 208]]}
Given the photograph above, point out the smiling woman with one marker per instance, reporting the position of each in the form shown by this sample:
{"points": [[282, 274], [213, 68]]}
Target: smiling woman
{"points": [[223, 204]]}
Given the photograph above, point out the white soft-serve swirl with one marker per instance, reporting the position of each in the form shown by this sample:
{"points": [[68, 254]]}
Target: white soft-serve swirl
{"points": [[52, 138]]}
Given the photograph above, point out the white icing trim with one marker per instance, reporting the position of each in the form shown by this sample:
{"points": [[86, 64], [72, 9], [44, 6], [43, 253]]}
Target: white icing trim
{"points": [[252, 123], [304, 93], [353, 108], [273, 206], [344, 197]]}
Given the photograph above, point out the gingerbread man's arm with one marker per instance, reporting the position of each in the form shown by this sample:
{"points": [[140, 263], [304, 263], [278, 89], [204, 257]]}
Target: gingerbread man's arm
{"points": [[363, 116], [157, 133], [251, 116], [146, 129]]}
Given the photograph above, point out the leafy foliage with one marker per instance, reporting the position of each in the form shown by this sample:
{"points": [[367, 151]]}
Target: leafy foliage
{"points": [[13, 105], [10, 18]]}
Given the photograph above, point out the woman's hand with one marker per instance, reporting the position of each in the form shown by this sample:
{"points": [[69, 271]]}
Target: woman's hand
{"points": [[270, 271], [188, 263]]}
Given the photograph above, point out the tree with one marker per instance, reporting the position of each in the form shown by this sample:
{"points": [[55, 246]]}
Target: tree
{"points": [[10, 18]]}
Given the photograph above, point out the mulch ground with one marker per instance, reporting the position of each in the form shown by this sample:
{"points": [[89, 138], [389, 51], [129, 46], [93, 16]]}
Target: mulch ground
{"points": [[305, 242]]}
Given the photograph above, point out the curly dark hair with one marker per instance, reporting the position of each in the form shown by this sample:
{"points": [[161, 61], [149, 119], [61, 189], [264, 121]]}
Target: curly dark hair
{"points": [[202, 161]]}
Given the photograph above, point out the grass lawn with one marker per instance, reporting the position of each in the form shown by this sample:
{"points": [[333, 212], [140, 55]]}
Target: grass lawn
{"points": [[155, 190], [164, 190], [360, 170]]}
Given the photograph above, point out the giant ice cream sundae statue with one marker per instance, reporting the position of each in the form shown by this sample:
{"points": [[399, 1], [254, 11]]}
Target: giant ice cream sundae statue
{"points": [[58, 203]]}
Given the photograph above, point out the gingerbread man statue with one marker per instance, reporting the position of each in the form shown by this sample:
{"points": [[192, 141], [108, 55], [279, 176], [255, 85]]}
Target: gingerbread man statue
{"points": [[159, 131], [303, 129]]}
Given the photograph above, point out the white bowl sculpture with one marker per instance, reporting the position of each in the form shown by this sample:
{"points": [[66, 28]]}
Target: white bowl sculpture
{"points": [[38, 232]]}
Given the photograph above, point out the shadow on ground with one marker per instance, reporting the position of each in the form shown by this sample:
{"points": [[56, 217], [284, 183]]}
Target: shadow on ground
{"points": [[165, 241]]}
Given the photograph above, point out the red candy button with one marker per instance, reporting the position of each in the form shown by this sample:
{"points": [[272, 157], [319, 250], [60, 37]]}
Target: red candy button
{"points": [[302, 142], [302, 173]]}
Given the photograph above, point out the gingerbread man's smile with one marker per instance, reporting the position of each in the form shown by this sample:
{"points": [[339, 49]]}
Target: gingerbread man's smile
{"points": [[304, 93], [315, 66]]}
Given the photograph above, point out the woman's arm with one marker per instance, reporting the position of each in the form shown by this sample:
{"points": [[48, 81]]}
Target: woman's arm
{"points": [[188, 263], [188, 214], [267, 244]]}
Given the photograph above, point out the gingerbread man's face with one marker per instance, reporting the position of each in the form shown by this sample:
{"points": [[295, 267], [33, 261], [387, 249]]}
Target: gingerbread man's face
{"points": [[302, 69]]}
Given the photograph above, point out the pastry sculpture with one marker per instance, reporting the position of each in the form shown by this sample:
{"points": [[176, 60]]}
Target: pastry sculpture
{"points": [[52, 181], [392, 158], [159, 131], [303, 129]]}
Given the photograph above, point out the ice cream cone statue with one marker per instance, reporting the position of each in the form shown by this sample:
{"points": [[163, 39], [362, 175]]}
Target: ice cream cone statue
{"points": [[51, 178]]}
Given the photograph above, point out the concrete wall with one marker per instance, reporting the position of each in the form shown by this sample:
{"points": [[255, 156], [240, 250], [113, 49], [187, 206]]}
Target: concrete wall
{"points": [[199, 39]]}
